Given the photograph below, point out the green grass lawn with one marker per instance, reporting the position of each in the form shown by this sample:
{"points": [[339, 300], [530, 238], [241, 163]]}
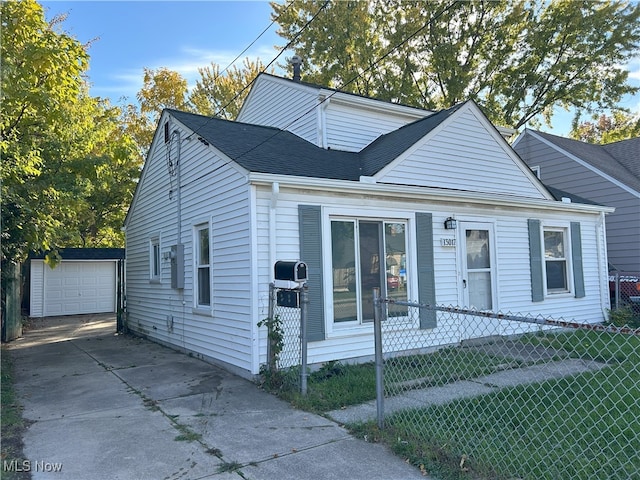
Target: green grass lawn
{"points": [[581, 427]]}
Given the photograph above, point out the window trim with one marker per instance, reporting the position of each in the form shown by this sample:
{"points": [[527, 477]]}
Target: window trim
{"points": [[198, 307], [340, 329], [155, 259], [567, 259]]}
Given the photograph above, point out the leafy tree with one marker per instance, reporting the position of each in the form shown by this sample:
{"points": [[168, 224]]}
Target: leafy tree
{"points": [[41, 78], [68, 169], [221, 94], [607, 129], [217, 94], [517, 59]]}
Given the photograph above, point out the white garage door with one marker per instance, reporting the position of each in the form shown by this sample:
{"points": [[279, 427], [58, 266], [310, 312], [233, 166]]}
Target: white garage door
{"points": [[79, 287]]}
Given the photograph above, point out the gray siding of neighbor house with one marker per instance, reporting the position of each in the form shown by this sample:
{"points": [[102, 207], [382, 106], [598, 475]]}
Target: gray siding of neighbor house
{"points": [[559, 171]]}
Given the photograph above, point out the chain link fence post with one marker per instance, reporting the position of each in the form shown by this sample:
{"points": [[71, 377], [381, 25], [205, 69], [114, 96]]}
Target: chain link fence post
{"points": [[377, 331], [304, 308], [271, 358]]}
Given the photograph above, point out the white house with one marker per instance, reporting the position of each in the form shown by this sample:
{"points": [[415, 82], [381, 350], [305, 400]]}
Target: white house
{"points": [[343, 182]]}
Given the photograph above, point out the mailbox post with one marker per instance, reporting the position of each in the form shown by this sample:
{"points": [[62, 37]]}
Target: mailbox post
{"points": [[291, 291]]}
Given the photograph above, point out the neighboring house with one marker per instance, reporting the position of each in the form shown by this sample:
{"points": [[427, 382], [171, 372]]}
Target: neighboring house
{"points": [[360, 190], [84, 281], [605, 174]]}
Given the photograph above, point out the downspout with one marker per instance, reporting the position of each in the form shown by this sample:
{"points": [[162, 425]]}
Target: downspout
{"points": [[180, 266], [601, 239], [275, 191]]}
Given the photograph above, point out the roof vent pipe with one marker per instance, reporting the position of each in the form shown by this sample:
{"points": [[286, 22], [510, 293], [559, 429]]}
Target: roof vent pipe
{"points": [[296, 61]]}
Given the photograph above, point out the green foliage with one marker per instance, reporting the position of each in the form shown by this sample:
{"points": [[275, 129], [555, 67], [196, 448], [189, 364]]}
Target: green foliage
{"points": [[272, 377], [625, 316], [68, 169], [221, 93], [518, 60], [579, 427], [608, 129]]}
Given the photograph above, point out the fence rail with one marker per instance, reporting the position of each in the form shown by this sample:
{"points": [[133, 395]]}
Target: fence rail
{"points": [[509, 395]]}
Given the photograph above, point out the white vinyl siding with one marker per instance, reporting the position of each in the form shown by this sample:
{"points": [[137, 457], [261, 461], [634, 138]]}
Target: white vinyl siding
{"points": [[292, 109], [216, 192], [511, 262], [563, 172], [477, 163], [351, 129]]}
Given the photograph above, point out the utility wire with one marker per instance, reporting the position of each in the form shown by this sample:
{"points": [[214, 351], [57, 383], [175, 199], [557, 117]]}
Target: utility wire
{"points": [[252, 43], [324, 5], [343, 85]]}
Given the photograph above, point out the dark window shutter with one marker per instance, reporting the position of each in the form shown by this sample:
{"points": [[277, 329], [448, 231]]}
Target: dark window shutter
{"points": [[310, 228], [426, 271], [535, 259], [576, 259]]}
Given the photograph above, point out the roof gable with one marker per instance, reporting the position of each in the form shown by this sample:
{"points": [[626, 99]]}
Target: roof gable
{"points": [[617, 161], [376, 155], [462, 150], [455, 148]]}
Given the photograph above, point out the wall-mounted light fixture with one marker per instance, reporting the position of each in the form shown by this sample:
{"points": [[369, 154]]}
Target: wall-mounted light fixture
{"points": [[450, 223]]}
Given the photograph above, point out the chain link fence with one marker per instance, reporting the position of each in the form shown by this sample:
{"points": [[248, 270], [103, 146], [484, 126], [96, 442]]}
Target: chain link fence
{"points": [[511, 396], [624, 288]]}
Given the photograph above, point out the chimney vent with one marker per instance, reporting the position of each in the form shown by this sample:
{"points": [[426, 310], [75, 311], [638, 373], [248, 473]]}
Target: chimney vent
{"points": [[296, 61]]}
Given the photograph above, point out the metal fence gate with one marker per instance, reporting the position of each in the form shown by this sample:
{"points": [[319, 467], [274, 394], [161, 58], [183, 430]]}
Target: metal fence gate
{"points": [[286, 327], [511, 396]]}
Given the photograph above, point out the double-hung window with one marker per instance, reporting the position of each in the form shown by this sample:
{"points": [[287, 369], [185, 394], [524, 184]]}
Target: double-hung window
{"points": [[203, 266], [555, 260], [555, 256]]}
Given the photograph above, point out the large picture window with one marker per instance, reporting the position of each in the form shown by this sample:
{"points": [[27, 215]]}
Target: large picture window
{"points": [[366, 255], [203, 272]]}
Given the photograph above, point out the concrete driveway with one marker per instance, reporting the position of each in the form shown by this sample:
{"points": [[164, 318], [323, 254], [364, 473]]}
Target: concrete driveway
{"points": [[108, 406]]}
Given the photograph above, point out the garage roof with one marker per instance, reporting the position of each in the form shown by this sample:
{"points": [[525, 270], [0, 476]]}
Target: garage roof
{"points": [[84, 254]]}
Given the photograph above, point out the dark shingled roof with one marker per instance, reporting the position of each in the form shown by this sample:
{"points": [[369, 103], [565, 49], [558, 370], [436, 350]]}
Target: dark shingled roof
{"points": [[558, 194], [270, 150], [84, 254], [619, 160]]}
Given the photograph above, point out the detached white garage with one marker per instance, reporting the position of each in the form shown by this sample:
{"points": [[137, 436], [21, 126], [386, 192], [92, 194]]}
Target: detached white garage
{"points": [[85, 281]]}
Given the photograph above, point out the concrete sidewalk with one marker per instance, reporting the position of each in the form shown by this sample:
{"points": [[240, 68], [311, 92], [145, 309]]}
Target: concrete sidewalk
{"points": [[107, 406]]}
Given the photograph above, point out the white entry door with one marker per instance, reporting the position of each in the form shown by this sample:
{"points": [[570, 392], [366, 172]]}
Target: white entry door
{"points": [[80, 287], [477, 265]]}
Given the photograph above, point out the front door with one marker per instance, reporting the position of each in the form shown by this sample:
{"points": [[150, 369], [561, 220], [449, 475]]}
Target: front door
{"points": [[477, 265]]}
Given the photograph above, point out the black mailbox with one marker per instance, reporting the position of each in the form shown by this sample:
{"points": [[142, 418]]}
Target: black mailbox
{"points": [[292, 271]]}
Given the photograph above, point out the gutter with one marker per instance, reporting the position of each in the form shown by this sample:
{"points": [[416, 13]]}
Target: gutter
{"points": [[436, 195]]}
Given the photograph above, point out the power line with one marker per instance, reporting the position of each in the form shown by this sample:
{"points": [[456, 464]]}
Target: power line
{"points": [[324, 5], [343, 85], [254, 41]]}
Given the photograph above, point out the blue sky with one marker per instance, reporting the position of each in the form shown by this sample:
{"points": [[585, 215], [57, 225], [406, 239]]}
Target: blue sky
{"points": [[127, 36]]}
